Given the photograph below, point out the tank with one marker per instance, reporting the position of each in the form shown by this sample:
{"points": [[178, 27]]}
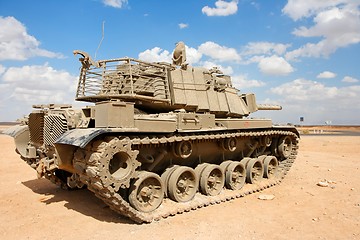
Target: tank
{"points": [[159, 139]]}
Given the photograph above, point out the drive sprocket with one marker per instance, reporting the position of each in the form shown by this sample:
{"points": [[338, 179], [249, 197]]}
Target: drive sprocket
{"points": [[117, 163]]}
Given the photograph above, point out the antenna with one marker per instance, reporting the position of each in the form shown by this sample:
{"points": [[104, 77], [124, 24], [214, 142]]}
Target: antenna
{"points": [[102, 38]]}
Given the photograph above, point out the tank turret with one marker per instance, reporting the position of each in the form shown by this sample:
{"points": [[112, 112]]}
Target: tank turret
{"points": [[164, 87]]}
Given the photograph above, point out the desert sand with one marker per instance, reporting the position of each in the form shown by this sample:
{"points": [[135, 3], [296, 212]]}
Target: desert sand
{"points": [[32, 208]]}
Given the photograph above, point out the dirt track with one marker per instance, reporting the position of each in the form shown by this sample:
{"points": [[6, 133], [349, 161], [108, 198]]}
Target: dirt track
{"points": [[33, 208]]}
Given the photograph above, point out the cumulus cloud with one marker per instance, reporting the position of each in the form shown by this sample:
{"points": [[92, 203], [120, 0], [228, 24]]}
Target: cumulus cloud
{"points": [[326, 74], [193, 56], [268, 57], [297, 9], [275, 65], [222, 8], [17, 44], [336, 22], [115, 3], [265, 48], [212, 51], [226, 70], [155, 54], [219, 53], [183, 25], [22, 87], [317, 102], [242, 82], [305, 90], [348, 79], [51, 85], [2, 69], [210, 54]]}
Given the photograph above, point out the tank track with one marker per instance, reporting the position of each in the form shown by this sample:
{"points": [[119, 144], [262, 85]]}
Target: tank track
{"points": [[168, 208]]}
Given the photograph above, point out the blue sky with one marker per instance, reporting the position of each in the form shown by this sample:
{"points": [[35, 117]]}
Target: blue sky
{"points": [[301, 54]]}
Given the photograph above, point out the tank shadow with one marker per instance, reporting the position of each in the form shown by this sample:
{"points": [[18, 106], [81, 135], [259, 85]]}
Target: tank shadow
{"points": [[82, 201]]}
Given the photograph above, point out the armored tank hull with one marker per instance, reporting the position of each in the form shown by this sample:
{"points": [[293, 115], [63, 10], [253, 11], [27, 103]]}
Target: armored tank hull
{"points": [[159, 141]]}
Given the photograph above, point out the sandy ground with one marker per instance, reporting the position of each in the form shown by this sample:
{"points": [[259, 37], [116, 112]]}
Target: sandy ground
{"points": [[33, 208], [340, 130]]}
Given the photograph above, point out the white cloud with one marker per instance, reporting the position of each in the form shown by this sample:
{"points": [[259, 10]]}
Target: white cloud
{"points": [[115, 3], [305, 90], [17, 44], [318, 102], [254, 59], [348, 79], [297, 9], [222, 8], [275, 65], [22, 87], [2, 69], [226, 70], [212, 51], [193, 56], [326, 74], [337, 24], [219, 53], [333, 23], [265, 48], [242, 82], [39, 83], [308, 50], [155, 54], [183, 25]]}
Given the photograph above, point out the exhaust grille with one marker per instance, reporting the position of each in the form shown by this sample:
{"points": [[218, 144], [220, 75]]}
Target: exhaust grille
{"points": [[55, 126], [36, 128]]}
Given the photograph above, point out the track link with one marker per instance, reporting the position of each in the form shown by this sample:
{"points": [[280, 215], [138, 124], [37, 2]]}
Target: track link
{"points": [[117, 203]]}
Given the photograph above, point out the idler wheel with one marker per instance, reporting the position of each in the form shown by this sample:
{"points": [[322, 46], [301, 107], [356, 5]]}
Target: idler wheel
{"points": [[211, 180], [182, 184], [146, 192], [271, 167], [285, 146], [254, 170]]}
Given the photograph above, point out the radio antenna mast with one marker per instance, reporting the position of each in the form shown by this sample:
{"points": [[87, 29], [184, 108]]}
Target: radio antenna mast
{"points": [[102, 38]]}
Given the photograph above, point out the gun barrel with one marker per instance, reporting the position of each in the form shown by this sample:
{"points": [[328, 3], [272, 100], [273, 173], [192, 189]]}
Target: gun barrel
{"points": [[268, 107]]}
